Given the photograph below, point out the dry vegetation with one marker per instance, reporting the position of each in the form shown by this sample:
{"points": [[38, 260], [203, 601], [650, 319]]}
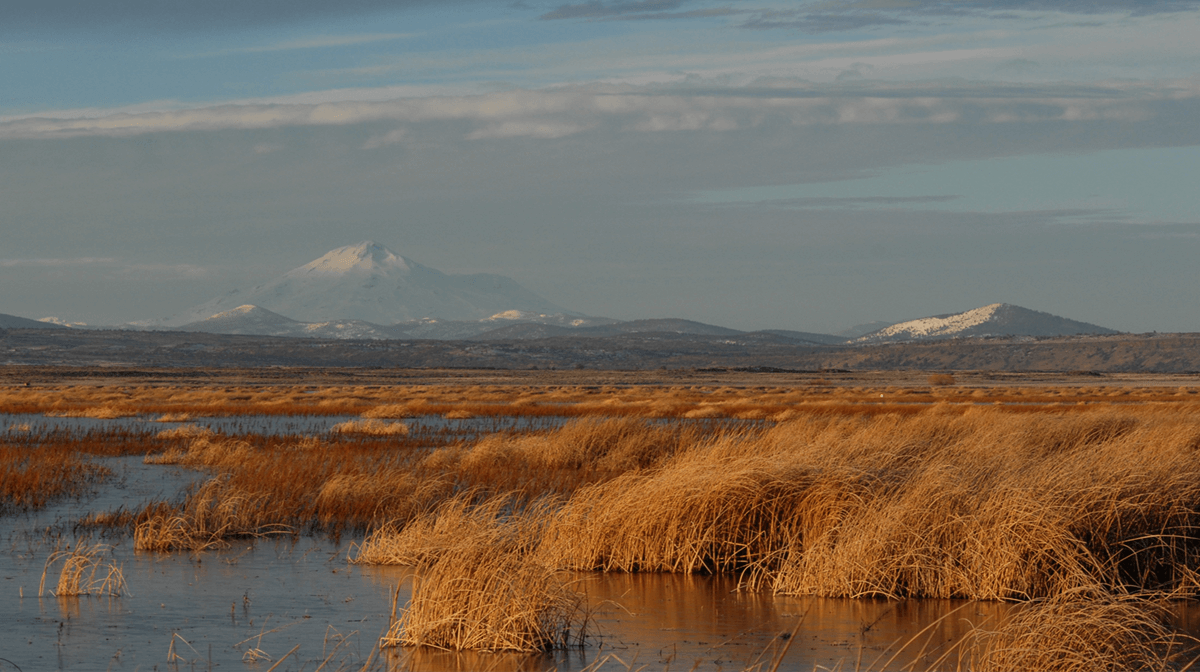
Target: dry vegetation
{"points": [[84, 572], [1081, 503], [807, 395]]}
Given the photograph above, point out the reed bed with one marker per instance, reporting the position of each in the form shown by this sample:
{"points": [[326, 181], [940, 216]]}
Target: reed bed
{"points": [[1073, 501], [31, 478], [465, 400], [1067, 513]]}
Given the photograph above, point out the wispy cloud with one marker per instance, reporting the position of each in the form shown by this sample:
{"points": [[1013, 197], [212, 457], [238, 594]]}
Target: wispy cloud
{"points": [[319, 42], [557, 112], [840, 203], [52, 262], [141, 15], [390, 138], [597, 9], [821, 22], [113, 263]]}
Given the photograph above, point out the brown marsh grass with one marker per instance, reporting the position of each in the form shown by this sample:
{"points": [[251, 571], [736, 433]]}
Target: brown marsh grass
{"points": [[371, 426], [1081, 503], [477, 586], [569, 400], [208, 518], [31, 477]]}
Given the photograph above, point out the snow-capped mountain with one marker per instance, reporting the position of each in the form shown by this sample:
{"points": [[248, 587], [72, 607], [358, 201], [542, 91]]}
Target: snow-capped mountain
{"points": [[371, 283], [997, 319]]}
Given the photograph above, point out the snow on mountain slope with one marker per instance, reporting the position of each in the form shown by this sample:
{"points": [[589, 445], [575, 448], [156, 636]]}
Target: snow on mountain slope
{"points": [[371, 283], [257, 321], [14, 322], [997, 319]]}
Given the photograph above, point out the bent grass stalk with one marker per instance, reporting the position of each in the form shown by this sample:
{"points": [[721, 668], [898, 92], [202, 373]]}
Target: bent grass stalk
{"points": [[84, 572]]}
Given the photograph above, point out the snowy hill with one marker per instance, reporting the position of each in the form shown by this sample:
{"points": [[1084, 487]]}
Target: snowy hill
{"points": [[997, 319], [14, 322], [370, 283]]}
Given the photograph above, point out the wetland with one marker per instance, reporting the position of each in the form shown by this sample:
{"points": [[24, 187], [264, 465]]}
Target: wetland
{"points": [[561, 521]]}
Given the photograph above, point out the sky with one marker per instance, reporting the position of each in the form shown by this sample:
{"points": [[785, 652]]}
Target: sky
{"points": [[756, 164]]}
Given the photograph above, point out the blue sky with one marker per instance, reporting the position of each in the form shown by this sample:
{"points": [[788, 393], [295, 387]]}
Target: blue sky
{"points": [[804, 165]]}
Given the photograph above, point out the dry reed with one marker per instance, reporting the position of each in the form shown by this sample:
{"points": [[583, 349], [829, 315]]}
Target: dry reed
{"points": [[478, 585], [1082, 631], [84, 572], [209, 517], [375, 427]]}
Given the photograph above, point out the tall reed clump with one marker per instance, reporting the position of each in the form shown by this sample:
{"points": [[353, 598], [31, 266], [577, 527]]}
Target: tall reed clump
{"points": [[478, 586], [84, 572], [209, 517]]}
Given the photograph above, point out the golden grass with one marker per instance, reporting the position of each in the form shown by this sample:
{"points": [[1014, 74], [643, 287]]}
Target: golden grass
{"points": [[477, 585], [1080, 631], [84, 572], [208, 518], [31, 477], [375, 427], [1066, 499], [571, 400]]}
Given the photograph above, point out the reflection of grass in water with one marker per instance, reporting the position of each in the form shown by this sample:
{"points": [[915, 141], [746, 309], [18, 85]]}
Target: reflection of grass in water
{"points": [[84, 572]]}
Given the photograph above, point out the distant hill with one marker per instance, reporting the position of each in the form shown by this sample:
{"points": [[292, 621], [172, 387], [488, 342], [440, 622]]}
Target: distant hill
{"points": [[14, 322], [254, 320], [997, 319]]}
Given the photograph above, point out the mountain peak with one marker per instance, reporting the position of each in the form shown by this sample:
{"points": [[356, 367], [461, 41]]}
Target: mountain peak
{"points": [[365, 257], [370, 283]]}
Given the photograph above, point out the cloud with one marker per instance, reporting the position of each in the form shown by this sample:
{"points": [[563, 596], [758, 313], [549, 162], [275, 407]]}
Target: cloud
{"points": [[158, 269], [821, 22], [557, 112], [141, 15], [322, 42], [53, 262], [389, 138], [172, 270], [840, 203], [597, 9], [824, 17]]}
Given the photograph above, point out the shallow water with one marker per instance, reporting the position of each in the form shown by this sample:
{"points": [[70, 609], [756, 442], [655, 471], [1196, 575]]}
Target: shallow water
{"points": [[220, 608], [266, 425]]}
